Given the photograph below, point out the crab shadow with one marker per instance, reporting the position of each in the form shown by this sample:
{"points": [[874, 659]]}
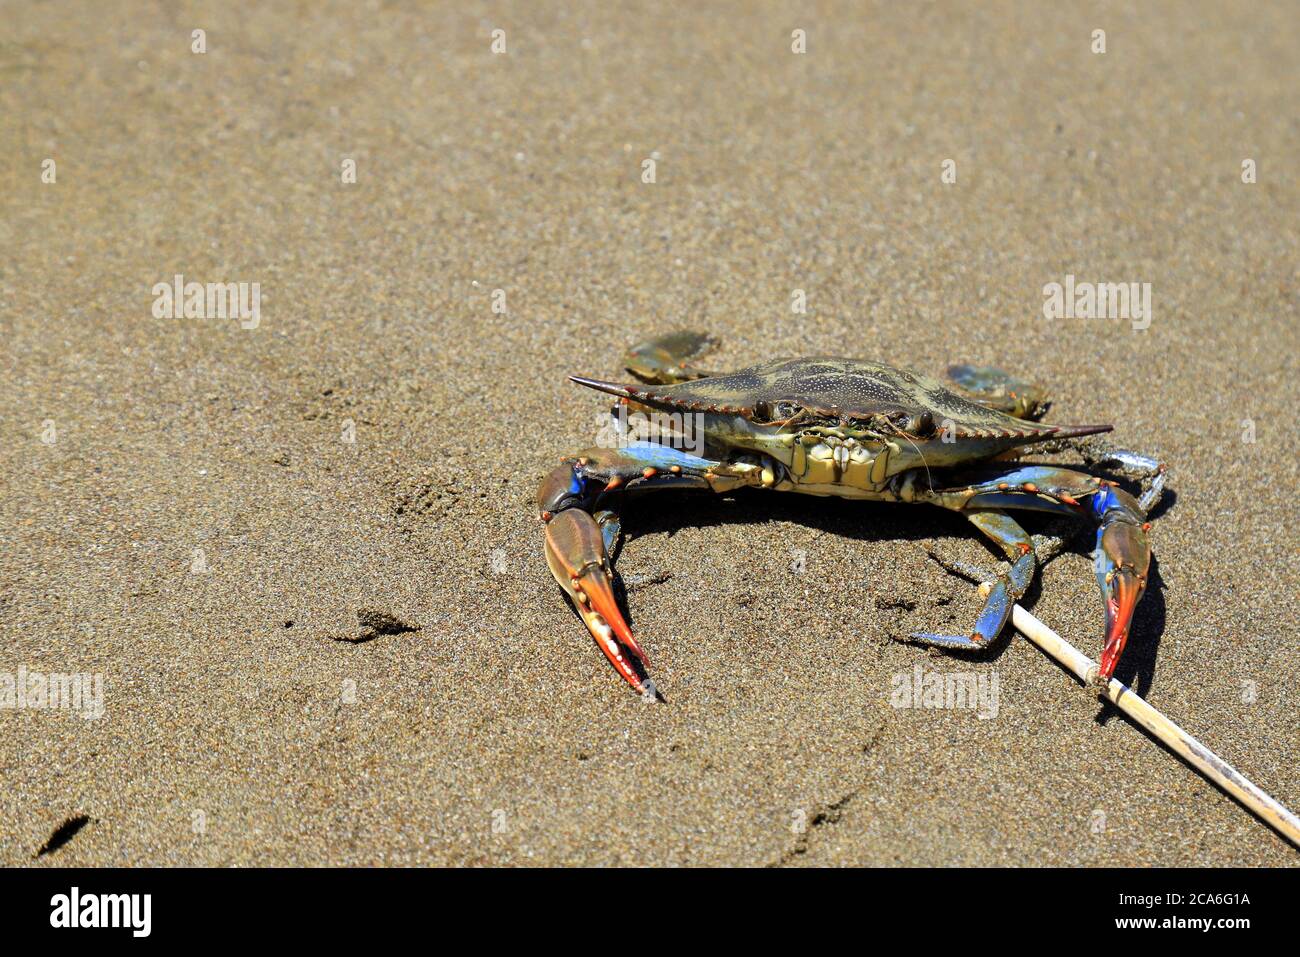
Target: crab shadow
{"points": [[644, 517]]}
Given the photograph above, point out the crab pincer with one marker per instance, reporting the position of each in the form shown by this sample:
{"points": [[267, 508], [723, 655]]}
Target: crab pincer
{"points": [[1122, 559], [576, 553]]}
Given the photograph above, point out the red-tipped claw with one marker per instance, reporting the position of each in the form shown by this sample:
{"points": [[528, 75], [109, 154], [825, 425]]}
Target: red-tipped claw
{"points": [[1121, 598], [1123, 557], [576, 554]]}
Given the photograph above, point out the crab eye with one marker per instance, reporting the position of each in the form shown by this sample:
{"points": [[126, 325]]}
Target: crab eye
{"points": [[775, 411], [922, 424]]}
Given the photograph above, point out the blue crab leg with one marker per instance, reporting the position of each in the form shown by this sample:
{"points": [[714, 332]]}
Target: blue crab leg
{"points": [[1122, 556], [1009, 587], [998, 390], [668, 359], [581, 535], [1147, 470]]}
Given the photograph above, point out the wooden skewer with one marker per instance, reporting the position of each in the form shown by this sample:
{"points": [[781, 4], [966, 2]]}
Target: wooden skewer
{"points": [[1218, 771]]}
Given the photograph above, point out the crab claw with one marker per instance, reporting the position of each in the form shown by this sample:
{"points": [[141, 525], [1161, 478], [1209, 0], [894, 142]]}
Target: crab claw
{"points": [[1123, 557], [1122, 596], [575, 551]]}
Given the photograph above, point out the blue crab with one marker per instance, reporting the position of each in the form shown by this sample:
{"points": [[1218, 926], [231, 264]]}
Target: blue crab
{"points": [[850, 428]]}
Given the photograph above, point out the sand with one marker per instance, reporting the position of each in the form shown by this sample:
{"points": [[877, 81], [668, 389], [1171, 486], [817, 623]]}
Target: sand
{"points": [[303, 557]]}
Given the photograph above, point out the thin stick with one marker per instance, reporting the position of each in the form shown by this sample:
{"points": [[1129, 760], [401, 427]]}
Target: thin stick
{"points": [[1217, 770]]}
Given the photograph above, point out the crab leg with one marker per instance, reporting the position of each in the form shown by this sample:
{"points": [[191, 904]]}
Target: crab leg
{"points": [[1122, 555], [581, 537], [1150, 472], [996, 389], [1009, 587], [668, 359]]}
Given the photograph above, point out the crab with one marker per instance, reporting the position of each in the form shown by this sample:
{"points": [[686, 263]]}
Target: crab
{"points": [[849, 428]]}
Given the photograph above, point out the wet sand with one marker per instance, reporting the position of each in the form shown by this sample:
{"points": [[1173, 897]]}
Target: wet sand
{"points": [[304, 558]]}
